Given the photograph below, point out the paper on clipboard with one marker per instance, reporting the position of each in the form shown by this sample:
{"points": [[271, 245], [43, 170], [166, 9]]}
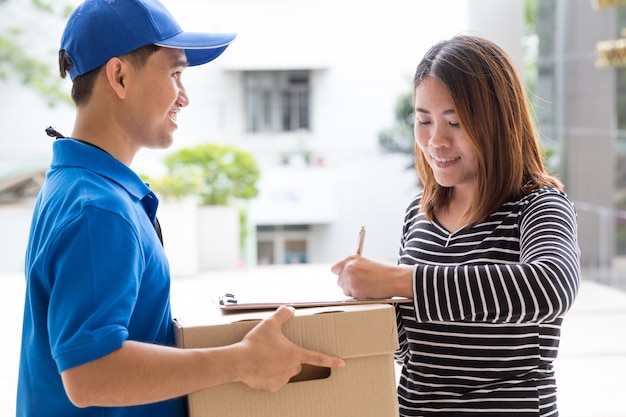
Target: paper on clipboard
{"points": [[229, 303]]}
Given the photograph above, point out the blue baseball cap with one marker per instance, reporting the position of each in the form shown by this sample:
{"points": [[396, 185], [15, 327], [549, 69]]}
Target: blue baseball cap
{"points": [[99, 30]]}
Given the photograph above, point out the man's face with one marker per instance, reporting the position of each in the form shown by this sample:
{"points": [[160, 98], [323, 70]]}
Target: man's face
{"points": [[155, 97]]}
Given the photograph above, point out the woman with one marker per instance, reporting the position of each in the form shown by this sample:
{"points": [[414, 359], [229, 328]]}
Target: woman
{"points": [[488, 252]]}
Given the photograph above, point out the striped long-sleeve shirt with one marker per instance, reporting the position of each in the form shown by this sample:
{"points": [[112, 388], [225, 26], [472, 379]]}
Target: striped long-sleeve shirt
{"points": [[484, 327]]}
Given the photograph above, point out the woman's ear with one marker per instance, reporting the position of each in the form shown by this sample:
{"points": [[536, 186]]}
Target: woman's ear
{"points": [[116, 71]]}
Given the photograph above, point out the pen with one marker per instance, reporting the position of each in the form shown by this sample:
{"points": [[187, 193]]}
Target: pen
{"points": [[359, 249]]}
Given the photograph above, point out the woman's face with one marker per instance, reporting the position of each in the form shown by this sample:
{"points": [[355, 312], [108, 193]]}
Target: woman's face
{"points": [[445, 145]]}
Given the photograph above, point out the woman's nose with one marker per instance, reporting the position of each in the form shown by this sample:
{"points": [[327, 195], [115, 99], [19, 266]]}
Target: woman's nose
{"points": [[438, 138]]}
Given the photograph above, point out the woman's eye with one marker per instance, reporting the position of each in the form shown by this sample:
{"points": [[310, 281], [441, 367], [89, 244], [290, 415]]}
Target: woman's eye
{"points": [[455, 124], [423, 122]]}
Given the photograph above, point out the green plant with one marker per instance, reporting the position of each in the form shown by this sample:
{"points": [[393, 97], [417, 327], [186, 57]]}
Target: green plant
{"points": [[215, 173], [17, 60], [399, 137]]}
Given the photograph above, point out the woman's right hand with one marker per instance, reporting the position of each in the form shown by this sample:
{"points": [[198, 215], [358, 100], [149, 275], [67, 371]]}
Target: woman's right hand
{"points": [[361, 277]]}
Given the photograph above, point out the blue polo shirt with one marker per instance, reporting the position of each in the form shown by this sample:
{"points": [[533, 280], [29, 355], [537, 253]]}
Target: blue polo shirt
{"points": [[96, 275]]}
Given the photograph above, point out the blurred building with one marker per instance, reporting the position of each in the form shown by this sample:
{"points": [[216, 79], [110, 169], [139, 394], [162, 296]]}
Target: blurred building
{"points": [[306, 87], [581, 110]]}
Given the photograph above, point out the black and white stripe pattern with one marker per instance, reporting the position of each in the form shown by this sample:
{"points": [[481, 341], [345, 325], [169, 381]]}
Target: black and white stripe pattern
{"points": [[484, 327]]}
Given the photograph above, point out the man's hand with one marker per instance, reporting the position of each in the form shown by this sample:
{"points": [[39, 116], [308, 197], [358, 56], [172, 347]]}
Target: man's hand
{"points": [[271, 359]]}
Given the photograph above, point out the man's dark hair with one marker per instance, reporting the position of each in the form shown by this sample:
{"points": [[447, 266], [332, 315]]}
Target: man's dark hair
{"points": [[83, 84]]}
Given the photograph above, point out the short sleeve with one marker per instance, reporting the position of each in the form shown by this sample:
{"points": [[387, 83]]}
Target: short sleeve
{"points": [[95, 278]]}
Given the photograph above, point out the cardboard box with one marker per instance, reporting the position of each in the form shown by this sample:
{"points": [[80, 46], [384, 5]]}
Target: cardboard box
{"points": [[364, 335]]}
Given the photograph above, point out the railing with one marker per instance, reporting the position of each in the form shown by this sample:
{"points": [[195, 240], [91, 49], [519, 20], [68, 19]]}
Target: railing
{"points": [[610, 268]]}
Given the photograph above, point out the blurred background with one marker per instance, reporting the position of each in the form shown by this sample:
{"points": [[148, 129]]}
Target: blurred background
{"points": [[301, 132], [317, 94]]}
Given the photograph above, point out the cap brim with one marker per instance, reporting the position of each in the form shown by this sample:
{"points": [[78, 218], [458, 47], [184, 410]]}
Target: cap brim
{"points": [[200, 48]]}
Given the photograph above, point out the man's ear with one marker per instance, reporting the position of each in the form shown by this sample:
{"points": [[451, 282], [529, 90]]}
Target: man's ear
{"points": [[116, 72]]}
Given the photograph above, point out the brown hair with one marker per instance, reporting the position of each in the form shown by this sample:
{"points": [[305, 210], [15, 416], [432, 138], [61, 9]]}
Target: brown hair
{"points": [[82, 85], [491, 105]]}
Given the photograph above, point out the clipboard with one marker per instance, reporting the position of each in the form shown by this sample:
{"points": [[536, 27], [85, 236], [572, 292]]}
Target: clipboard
{"points": [[229, 303]]}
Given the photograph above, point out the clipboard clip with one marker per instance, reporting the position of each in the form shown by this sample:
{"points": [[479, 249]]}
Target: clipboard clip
{"points": [[227, 299]]}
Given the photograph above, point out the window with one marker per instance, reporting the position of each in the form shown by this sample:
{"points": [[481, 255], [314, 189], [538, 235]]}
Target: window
{"points": [[282, 244], [277, 101]]}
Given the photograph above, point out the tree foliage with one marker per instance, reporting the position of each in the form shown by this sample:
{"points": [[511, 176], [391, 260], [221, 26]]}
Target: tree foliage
{"points": [[15, 61], [215, 173], [399, 137]]}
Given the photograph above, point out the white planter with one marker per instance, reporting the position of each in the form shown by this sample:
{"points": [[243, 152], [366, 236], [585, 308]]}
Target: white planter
{"points": [[198, 238], [219, 229], [179, 224]]}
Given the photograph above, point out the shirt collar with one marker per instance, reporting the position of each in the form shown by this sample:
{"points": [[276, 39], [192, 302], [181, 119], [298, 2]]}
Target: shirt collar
{"points": [[71, 153]]}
